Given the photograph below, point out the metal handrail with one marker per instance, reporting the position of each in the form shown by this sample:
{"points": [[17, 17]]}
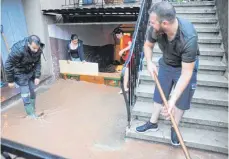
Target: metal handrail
{"points": [[133, 63], [20, 150]]}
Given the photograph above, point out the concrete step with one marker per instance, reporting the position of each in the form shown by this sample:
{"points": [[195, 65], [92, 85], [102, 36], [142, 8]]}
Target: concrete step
{"points": [[195, 7], [210, 40], [193, 138], [204, 25], [183, 124], [209, 34], [195, 11], [193, 105], [213, 81], [210, 45], [145, 92], [194, 4], [207, 29], [205, 66], [194, 116], [196, 20], [188, 15]]}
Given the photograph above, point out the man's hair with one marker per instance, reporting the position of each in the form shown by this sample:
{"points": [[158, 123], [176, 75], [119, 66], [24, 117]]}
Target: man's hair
{"points": [[74, 37], [35, 39], [164, 11], [118, 31]]}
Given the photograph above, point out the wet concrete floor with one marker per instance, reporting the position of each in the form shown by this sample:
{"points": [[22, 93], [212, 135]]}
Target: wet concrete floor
{"points": [[84, 121]]}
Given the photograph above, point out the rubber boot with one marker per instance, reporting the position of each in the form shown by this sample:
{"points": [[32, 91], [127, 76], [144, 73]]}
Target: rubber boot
{"points": [[29, 110], [33, 103]]}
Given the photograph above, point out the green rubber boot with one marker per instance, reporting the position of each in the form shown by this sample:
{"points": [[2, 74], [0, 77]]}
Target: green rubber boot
{"points": [[29, 110], [33, 103]]}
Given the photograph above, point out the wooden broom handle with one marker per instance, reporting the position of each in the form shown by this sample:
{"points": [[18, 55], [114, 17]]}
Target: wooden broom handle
{"points": [[4, 39], [187, 155]]}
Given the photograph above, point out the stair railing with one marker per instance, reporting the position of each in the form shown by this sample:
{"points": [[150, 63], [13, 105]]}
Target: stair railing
{"points": [[134, 58]]}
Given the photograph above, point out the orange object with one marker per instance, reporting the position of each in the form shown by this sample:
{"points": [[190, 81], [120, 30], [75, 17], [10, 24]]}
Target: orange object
{"points": [[124, 43], [92, 79], [119, 68], [65, 76]]}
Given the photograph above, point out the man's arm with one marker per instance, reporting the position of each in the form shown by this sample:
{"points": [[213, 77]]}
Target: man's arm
{"points": [[188, 64], [121, 52], [151, 39], [128, 47], [186, 74], [38, 68], [148, 50], [13, 58]]}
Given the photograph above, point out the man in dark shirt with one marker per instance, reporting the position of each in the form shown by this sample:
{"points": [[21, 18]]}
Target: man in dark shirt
{"points": [[177, 39]]}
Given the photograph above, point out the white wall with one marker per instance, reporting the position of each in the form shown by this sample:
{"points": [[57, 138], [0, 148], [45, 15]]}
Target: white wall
{"points": [[52, 4], [58, 4], [94, 35]]}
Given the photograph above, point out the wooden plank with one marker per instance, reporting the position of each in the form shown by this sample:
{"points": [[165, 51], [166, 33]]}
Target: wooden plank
{"points": [[115, 75], [92, 79], [78, 68]]}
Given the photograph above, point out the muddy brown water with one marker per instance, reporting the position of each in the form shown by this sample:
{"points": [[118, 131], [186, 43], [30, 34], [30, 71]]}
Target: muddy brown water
{"points": [[84, 121]]}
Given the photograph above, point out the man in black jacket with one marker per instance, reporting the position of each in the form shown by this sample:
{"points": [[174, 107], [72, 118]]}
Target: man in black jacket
{"points": [[23, 67]]}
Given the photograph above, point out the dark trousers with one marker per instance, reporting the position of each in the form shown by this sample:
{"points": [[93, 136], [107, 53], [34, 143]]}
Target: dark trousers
{"points": [[27, 86], [28, 93]]}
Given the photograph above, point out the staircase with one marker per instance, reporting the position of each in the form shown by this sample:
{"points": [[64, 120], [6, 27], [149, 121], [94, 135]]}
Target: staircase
{"points": [[205, 125]]}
